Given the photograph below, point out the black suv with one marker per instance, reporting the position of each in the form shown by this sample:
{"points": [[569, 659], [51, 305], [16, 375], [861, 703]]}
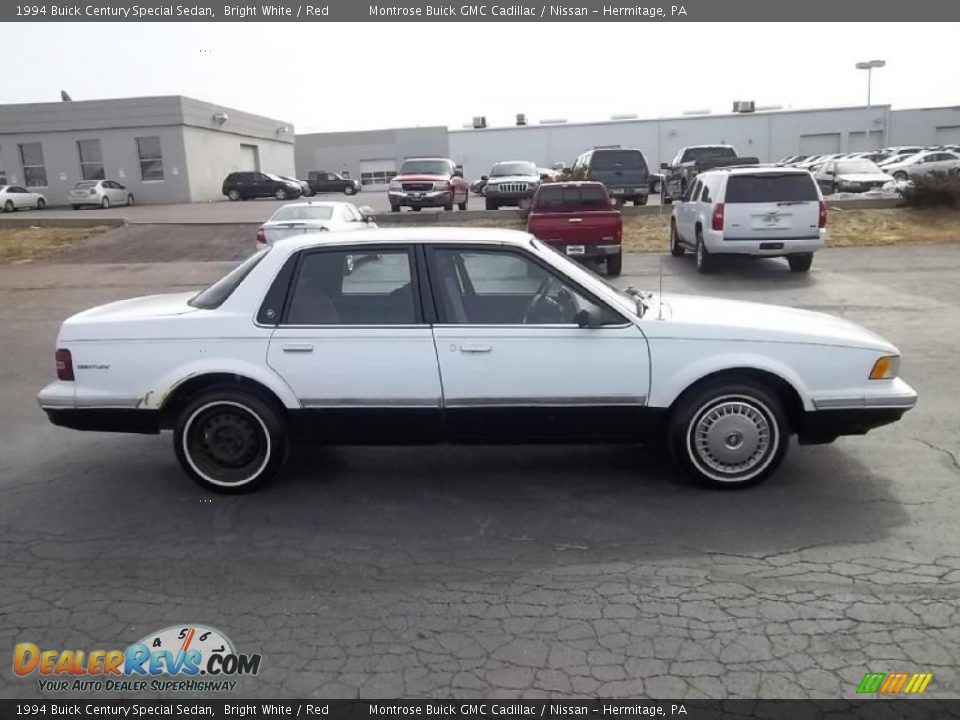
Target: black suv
{"points": [[622, 170], [322, 181], [246, 185]]}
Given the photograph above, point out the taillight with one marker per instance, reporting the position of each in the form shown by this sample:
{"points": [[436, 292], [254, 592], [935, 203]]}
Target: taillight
{"points": [[716, 221], [261, 237], [823, 215], [619, 235], [64, 365]]}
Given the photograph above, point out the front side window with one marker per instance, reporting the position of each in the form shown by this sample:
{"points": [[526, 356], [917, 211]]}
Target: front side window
{"points": [[91, 159], [151, 158], [346, 287], [503, 288], [34, 169]]}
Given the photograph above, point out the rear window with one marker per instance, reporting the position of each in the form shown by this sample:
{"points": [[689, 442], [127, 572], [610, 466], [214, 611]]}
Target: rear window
{"points": [[214, 296], [789, 187], [702, 153], [618, 160], [572, 197], [86, 184], [303, 212]]}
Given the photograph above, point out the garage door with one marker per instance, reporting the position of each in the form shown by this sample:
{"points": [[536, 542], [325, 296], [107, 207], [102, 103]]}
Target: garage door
{"points": [[820, 144], [376, 174], [864, 141], [947, 135], [249, 158]]}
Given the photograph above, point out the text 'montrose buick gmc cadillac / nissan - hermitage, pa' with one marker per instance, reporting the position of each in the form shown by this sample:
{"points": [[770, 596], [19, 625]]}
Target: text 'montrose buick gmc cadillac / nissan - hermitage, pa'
{"points": [[462, 335]]}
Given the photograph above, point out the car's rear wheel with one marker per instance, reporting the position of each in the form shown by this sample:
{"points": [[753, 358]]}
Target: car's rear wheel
{"points": [[349, 190], [280, 194], [416, 208], [448, 207], [676, 249], [615, 264], [105, 202], [41, 203], [463, 205], [704, 261], [8, 206], [728, 433], [75, 207], [394, 208], [801, 262], [230, 441], [233, 194], [900, 176], [640, 200], [129, 200]]}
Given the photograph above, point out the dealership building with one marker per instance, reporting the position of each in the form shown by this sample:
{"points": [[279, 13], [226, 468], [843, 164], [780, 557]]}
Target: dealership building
{"points": [[374, 156], [169, 149]]}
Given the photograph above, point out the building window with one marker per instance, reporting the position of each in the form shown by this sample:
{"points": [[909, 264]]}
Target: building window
{"points": [[91, 160], [34, 171], [3, 173], [151, 159], [377, 177]]}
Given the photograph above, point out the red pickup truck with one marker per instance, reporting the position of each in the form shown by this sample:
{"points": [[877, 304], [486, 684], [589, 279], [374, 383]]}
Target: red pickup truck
{"points": [[578, 219]]}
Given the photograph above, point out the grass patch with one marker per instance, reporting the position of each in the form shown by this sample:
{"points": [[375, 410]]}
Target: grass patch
{"points": [[23, 245]]}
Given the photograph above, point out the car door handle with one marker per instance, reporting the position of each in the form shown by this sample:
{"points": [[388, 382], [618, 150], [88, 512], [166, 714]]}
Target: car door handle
{"points": [[476, 348], [297, 347], [575, 220]]}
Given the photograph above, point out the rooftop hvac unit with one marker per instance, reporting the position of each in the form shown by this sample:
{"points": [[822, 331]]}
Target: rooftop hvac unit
{"points": [[553, 121], [628, 116], [744, 106], [521, 119], [479, 122]]}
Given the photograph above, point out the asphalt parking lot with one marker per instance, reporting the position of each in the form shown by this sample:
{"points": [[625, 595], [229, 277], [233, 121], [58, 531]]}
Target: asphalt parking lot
{"points": [[502, 572]]}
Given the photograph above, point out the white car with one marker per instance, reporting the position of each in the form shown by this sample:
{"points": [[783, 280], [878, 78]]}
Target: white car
{"points": [[750, 211], [462, 335], [98, 193], [853, 175], [923, 163], [314, 216], [17, 197]]}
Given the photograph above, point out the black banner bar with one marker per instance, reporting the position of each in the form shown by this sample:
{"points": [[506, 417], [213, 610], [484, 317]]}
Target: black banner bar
{"points": [[914, 709], [479, 11]]}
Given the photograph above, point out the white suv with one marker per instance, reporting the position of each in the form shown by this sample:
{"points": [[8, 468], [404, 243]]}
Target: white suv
{"points": [[754, 211]]}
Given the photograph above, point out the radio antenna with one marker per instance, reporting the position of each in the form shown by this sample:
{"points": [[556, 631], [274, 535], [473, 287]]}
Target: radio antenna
{"points": [[660, 292]]}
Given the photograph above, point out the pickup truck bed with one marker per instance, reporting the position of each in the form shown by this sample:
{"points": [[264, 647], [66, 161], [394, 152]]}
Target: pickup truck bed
{"points": [[578, 219]]}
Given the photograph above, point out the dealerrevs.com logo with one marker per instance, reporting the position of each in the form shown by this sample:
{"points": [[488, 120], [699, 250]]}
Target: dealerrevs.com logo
{"points": [[186, 658]]}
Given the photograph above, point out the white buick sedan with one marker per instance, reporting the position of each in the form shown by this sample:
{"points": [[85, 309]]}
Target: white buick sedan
{"points": [[462, 335]]}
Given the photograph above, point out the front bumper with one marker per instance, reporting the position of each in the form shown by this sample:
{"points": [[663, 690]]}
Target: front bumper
{"points": [[430, 198], [507, 196], [880, 404]]}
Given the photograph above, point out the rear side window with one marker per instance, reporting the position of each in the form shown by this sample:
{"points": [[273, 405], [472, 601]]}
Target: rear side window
{"points": [[618, 160], [215, 295], [579, 197], [768, 187]]}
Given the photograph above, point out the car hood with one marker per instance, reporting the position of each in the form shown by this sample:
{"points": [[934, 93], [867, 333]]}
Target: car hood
{"points": [[513, 178], [864, 177], [714, 318]]}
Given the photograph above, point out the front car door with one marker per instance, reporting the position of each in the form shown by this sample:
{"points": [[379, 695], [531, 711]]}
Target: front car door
{"points": [[515, 364], [353, 345]]}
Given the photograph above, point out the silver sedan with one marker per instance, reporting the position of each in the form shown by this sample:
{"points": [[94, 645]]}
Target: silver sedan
{"points": [[99, 193], [17, 197]]}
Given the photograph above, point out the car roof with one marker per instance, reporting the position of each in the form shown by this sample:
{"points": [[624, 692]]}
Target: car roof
{"points": [[757, 170], [505, 162], [404, 235], [314, 202], [428, 158]]}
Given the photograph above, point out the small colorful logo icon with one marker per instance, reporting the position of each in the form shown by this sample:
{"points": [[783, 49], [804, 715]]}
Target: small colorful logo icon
{"points": [[184, 651], [894, 683]]}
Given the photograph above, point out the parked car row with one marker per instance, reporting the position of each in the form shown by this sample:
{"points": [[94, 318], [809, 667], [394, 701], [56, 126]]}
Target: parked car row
{"points": [[872, 170], [86, 193]]}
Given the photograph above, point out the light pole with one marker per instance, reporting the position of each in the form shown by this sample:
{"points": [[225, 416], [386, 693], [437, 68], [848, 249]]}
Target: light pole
{"points": [[869, 65]]}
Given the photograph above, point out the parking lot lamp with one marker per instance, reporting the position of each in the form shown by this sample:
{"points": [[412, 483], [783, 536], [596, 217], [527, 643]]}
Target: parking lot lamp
{"points": [[869, 65]]}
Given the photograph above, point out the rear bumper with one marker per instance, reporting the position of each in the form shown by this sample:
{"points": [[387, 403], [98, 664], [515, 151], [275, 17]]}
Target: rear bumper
{"points": [[718, 244], [65, 409], [629, 192], [594, 251]]}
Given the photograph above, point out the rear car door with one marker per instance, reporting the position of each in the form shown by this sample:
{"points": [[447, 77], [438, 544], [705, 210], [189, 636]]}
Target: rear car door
{"points": [[353, 345], [514, 363], [687, 212], [22, 197], [771, 205]]}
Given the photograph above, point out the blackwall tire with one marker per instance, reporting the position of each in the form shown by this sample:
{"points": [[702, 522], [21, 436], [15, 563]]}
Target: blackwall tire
{"points": [[676, 249], [728, 433], [229, 441]]}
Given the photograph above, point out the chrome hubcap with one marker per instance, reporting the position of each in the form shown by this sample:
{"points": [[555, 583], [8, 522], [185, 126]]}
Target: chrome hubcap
{"points": [[732, 437]]}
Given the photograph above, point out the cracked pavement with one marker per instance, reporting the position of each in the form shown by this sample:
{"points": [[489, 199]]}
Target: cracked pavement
{"points": [[505, 572]]}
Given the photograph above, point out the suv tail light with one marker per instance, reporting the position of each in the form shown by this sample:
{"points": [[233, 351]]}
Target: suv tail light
{"points": [[619, 234], [261, 237], [823, 215], [64, 365], [716, 220]]}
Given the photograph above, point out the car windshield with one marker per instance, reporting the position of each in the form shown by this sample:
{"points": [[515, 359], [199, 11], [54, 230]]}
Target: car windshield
{"points": [[701, 153], [277, 178], [513, 168], [214, 296], [86, 184], [572, 197], [618, 160], [771, 187], [303, 212], [425, 167], [849, 167]]}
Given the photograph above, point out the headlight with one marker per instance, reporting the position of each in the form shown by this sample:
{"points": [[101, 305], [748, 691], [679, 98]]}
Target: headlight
{"points": [[886, 368], [441, 185], [395, 185]]}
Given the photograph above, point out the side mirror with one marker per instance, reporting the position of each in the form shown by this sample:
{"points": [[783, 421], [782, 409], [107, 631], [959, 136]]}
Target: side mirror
{"points": [[366, 212], [458, 171], [664, 166], [484, 177], [588, 317]]}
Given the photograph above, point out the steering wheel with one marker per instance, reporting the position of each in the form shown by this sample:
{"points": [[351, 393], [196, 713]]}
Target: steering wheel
{"points": [[557, 308]]}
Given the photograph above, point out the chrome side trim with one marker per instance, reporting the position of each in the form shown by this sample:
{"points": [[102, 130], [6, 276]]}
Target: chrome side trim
{"points": [[595, 401], [859, 403], [393, 403]]}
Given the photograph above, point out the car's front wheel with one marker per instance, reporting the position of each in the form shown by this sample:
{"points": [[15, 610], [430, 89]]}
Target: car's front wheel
{"points": [[280, 194], [349, 190], [129, 200], [615, 264], [230, 441], [728, 433], [105, 203], [41, 203], [704, 261], [676, 249], [234, 195]]}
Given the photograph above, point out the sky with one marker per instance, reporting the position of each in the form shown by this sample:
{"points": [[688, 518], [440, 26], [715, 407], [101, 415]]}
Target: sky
{"points": [[358, 76]]}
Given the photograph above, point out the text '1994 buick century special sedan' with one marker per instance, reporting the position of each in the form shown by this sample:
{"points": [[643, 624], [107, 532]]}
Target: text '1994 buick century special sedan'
{"points": [[462, 335]]}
